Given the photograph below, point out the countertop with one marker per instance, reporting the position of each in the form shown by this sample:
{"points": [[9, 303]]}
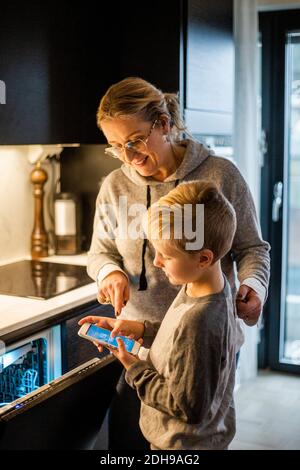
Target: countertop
{"points": [[19, 312]]}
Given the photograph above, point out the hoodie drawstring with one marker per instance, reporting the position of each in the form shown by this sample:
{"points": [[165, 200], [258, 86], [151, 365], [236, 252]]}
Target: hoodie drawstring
{"points": [[143, 280]]}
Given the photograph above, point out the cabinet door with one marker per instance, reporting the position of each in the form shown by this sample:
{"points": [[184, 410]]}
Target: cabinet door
{"points": [[151, 41], [209, 66], [55, 69], [24, 68]]}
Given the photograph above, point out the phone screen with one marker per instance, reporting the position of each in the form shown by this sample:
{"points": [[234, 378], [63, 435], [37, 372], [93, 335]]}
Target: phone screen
{"points": [[104, 335]]}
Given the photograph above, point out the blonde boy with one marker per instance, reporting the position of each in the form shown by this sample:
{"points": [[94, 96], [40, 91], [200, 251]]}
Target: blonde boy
{"points": [[186, 381]]}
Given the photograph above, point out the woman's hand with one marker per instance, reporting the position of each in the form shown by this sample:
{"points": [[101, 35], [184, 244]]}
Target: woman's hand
{"points": [[114, 289], [248, 305], [123, 355]]}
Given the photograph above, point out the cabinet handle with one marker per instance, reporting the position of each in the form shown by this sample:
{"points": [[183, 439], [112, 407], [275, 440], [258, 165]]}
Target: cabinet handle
{"points": [[277, 201]]}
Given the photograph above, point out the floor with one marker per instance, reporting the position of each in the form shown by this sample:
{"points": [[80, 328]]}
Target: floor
{"points": [[268, 413]]}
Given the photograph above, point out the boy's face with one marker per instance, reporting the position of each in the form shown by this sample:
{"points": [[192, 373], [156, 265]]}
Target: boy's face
{"points": [[179, 267]]}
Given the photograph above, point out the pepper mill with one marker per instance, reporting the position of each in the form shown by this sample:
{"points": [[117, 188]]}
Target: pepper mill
{"points": [[39, 237]]}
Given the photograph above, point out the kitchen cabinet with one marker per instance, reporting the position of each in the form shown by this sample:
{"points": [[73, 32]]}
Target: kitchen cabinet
{"points": [[55, 69], [186, 47], [57, 60], [151, 42], [209, 67]]}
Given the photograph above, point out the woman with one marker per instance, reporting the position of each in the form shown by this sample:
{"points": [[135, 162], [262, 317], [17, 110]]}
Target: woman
{"points": [[144, 130]]}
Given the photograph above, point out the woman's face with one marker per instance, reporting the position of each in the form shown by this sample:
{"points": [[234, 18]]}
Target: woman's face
{"points": [[155, 153]]}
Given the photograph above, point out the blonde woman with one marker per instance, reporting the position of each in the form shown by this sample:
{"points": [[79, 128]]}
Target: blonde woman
{"points": [[145, 131]]}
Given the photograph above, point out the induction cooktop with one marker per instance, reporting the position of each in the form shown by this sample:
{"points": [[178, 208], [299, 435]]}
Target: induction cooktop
{"points": [[41, 279]]}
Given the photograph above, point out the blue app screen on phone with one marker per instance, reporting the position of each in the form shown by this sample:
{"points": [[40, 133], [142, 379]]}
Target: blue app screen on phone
{"points": [[104, 335]]}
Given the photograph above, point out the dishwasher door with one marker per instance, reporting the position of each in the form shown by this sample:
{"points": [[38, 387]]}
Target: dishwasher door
{"points": [[64, 414]]}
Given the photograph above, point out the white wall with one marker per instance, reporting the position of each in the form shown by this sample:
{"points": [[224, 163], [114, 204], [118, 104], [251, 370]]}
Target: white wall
{"points": [[16, 202]]}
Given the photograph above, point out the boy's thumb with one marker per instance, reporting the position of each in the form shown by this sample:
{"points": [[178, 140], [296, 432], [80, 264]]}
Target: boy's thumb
{"points": [[242, 293]]}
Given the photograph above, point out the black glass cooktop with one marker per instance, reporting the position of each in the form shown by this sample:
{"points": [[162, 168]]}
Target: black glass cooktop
{"points": [[41, 279]]}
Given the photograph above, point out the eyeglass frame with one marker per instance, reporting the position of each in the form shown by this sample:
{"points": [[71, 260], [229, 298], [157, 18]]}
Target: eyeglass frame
{"points": [[123, 147]]}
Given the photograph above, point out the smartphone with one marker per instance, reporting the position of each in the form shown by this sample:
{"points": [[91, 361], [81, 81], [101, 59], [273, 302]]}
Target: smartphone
{"points": [[102, 336]]}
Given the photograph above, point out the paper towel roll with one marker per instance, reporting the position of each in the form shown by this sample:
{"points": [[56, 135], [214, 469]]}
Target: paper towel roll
{"points": [[65, 217]]}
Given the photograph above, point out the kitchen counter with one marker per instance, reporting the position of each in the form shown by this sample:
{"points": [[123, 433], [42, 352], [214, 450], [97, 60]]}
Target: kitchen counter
{"points": [[19, 312]]}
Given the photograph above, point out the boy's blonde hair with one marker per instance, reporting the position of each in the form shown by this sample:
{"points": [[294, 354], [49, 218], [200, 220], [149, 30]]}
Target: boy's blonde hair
{"points": [[134, 96], [219, 217]]}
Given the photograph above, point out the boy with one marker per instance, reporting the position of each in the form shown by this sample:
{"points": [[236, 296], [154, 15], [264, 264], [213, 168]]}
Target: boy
{"points": [[186, 382]]}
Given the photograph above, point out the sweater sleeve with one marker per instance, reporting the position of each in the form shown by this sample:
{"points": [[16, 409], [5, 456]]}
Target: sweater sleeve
{"points": [[150, 331], [103, 249], [249, 250], [188, 391]]}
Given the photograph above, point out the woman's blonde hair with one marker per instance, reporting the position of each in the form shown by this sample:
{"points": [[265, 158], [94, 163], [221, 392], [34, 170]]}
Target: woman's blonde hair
{"points": [[219, 217], [134, 96]]}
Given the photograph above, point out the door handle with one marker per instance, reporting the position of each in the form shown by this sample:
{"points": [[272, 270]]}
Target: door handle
{"points": [[277, 201]]}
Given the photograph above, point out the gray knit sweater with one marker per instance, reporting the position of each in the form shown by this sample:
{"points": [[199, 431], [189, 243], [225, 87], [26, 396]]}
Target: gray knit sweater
{"points": [[186, 384], [249, 252]]}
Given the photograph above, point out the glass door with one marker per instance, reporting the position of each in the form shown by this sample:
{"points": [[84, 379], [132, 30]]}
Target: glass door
{"points": [[280, 211], [290, 308]]}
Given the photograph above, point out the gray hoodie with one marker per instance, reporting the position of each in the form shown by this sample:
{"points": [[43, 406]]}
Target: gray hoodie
{"points": [[150, 292]]}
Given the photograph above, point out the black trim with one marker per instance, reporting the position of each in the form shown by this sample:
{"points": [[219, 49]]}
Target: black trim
{"points": [[273, 27]]}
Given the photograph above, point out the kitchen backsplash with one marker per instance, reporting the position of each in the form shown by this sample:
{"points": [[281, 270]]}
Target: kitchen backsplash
{"points": [[17, 203], [82, 170]]}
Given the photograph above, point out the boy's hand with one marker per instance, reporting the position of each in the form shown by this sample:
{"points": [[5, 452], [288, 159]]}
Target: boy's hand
{"points": [[131, 328], [104, 322], [248, 305], [124, 356], [117, 326], [134, 329]]}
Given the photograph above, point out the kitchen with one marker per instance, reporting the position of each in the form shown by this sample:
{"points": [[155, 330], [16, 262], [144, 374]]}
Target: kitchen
{"points": [[51, 84]]}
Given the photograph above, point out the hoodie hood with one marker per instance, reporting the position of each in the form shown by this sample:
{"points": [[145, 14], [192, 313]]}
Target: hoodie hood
{"points": [[194, 156]]}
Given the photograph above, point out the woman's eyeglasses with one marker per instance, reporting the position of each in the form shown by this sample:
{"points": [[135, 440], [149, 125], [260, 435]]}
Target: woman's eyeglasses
{"points": [[132, 146]]}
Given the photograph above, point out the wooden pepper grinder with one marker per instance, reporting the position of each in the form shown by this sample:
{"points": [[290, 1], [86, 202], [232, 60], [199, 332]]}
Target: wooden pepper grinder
{"points": [[39, 237]]}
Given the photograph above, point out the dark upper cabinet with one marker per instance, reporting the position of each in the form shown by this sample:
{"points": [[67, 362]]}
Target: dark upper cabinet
{"points": [[209, 81], [55, 69], [58, 59], [151, 44], [24, 69], [184, 46]]}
